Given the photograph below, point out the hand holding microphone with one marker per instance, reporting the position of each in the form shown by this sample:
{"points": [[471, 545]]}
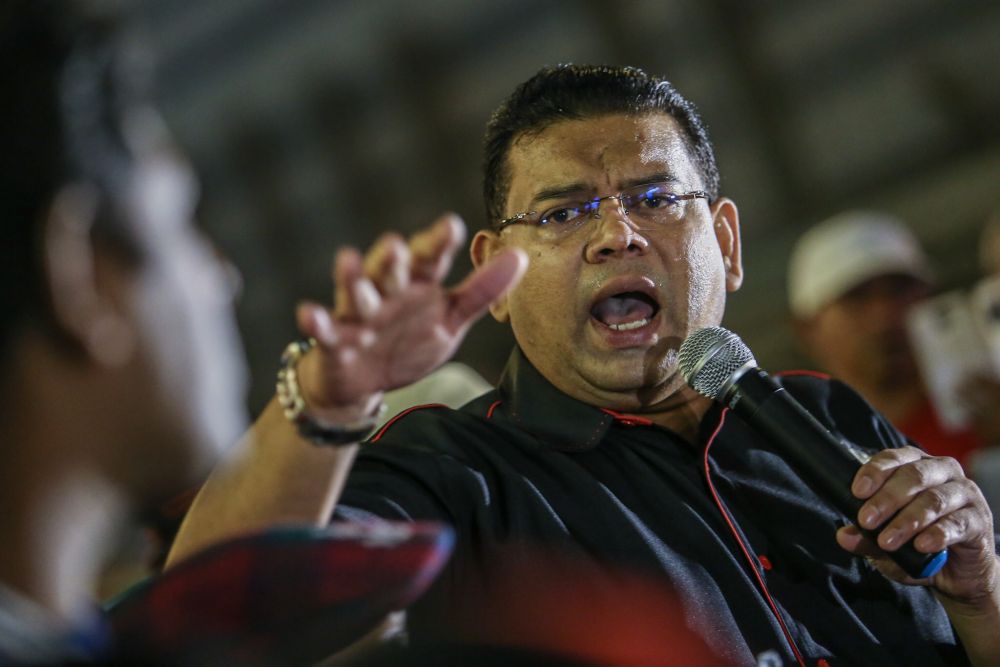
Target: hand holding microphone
{"points": [[717, 364]]}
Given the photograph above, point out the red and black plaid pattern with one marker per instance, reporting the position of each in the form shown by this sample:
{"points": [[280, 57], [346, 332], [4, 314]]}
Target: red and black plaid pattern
{"points": [[289, 596]]}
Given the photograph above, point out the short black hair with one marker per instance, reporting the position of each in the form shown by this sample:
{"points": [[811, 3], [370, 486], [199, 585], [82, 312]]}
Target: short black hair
{"points": [[573, 92], [68, 73]]}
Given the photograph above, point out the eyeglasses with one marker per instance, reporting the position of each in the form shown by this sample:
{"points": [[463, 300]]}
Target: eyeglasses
{"points": [[651, 203]]}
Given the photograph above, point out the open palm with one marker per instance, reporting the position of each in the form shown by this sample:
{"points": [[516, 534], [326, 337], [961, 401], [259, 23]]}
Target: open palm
{"points": [[393, 321]]}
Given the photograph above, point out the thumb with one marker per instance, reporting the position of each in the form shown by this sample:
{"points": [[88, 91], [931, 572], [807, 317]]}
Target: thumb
{"points": [[485, 285], [852, 540]]}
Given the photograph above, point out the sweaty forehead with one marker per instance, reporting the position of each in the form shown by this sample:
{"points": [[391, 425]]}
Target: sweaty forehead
{"points": [[601, 152]]}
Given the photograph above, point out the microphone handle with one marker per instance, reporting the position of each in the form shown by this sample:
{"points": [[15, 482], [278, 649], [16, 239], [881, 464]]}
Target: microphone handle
{"points": [[814, 452]]}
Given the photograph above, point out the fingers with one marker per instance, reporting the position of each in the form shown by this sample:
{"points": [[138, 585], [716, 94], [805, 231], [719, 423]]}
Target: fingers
{"points": [[955, 528], [935, 509], [873, 474], [387, 265], [913, 495], [314, 321], [355, 297], [852, 540], [433, 249], [484, 286], [391, 265]]}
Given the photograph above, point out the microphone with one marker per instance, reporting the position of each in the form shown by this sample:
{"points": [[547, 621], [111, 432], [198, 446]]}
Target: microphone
{"points": [[719, 365]]}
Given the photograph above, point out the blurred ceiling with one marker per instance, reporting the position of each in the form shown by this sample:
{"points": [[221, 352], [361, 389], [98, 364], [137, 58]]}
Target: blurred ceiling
{"points": [[317, 123]]}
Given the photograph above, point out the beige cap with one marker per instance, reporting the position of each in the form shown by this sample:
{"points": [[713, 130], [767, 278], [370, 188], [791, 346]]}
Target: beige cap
{"points": [[841, 253]]}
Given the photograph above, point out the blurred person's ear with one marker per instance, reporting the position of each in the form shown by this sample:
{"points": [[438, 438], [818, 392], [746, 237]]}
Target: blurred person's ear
{"points": [[86, 286]]}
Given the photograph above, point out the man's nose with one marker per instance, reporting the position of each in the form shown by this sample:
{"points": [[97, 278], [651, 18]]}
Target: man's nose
{"points": [[613, 233]]}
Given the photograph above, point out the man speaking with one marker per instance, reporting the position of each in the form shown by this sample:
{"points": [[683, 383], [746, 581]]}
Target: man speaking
{"points": [[592, 445]]}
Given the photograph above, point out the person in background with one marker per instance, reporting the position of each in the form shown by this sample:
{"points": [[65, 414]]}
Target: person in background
{"points": [[851, 282], [981, 392]]}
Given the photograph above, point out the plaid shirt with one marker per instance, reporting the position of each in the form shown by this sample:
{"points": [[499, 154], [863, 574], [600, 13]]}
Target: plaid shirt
{"points": [[287, 596]]}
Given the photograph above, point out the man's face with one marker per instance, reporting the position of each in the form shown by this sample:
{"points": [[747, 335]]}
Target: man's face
{"points": [[188, 340], [602, 311], [861, 336]]}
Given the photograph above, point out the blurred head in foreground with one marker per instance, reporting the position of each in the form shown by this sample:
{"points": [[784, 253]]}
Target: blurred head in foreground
{"points": [[122, 373]]}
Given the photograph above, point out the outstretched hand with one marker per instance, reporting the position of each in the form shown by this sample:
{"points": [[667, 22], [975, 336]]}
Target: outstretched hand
{"points": [[910, 494], [393, 321]]}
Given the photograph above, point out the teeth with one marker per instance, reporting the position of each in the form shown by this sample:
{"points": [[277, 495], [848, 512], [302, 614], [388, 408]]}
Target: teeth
{"points": [[629, 325]]}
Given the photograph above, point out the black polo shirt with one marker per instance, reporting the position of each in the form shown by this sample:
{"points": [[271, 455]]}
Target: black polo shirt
{"points": [[748, 546]]}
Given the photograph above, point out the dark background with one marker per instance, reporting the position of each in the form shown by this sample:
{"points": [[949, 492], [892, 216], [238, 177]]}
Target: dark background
{"points": [[316, 123]]}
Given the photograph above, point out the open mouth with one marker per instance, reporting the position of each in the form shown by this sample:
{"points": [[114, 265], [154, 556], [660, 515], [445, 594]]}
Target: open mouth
{"points": [[625, 311]]}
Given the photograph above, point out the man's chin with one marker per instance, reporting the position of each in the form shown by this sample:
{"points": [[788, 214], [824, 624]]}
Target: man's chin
{"points": [[636, 384]]}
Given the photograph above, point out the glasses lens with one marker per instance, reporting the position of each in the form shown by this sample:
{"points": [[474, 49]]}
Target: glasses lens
{"points": [[655, 203], [563, 217]]}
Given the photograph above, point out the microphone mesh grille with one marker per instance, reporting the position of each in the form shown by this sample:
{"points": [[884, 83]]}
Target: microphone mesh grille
{"points": [[709, 357]]}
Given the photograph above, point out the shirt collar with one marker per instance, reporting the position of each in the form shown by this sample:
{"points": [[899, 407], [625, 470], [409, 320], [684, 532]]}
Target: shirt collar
{"points": [[556, 419], [563, 423]]}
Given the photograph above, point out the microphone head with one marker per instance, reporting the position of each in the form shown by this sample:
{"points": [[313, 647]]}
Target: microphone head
{"points": [[710, 357]]}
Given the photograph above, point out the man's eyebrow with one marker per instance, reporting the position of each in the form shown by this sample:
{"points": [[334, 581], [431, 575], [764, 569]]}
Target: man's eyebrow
{"points": [[558, 191], [662, 177]]}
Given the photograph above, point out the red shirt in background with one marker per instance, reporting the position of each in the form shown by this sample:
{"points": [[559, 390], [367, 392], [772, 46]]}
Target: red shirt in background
{"points": [[922, 426]]}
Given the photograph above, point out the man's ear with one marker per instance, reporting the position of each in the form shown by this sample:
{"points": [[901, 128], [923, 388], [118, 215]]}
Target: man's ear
{"points": [[86, 287], [726, 223], [485, 244]]}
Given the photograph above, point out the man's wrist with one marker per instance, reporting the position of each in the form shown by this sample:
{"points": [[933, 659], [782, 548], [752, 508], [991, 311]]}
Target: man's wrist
{"points": [[986, 604], [369, 407], [329, 425]]}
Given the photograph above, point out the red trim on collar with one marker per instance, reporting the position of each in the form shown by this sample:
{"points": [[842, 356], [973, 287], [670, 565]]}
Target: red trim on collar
{"points": [[755, 565], [385, 426], [489, 413], [628, 420]]}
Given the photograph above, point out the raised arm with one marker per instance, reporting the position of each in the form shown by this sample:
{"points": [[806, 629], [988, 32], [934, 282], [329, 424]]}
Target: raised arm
{"points": [[392, 322]]}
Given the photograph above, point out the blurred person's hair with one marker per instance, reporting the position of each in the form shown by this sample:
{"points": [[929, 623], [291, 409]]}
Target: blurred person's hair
{"points": [[574, 92], [69, 72]]}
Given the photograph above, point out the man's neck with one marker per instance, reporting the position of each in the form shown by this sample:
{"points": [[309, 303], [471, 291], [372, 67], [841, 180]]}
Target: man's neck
{"points": [[681, 413], [678, 409]]}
